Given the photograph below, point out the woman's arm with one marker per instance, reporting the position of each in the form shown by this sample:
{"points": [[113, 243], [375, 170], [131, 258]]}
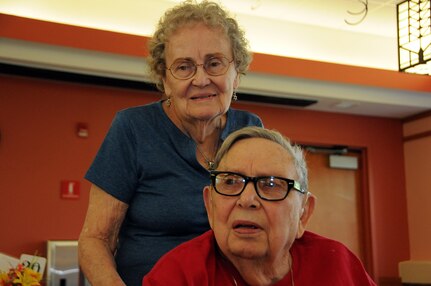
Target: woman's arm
{"points": [[98, 238]]}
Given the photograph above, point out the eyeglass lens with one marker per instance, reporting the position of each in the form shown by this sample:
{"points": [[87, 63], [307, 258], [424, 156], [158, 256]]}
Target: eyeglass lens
{"points": [[185, 68], [271, 188]]}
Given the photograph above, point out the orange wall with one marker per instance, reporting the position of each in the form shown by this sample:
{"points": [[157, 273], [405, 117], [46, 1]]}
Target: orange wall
{"points": [[39, 148], [417, 150]]}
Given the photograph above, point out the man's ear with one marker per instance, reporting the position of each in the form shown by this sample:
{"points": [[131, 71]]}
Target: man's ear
{"points": [[306, 212], [208, 200]]}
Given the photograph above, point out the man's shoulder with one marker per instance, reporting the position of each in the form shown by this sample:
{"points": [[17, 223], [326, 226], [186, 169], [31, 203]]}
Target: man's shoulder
{"points": [[319, 244], [311, 251], [184, 262], [203, 243]]}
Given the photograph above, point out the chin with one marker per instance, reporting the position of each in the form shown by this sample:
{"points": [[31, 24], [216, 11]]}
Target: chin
{"points": [[248, 252], [211, 109], [205, 114]]}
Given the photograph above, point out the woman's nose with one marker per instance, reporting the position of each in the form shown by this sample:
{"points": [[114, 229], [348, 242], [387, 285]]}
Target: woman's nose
{"points": [[201, 77]]}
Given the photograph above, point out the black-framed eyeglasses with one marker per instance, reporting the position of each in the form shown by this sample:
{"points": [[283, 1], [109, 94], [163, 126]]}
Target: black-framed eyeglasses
{"points": [[186, 68], [270, 188]]}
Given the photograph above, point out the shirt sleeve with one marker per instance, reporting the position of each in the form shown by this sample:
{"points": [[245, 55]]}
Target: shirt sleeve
{"points": [[114, 168]]}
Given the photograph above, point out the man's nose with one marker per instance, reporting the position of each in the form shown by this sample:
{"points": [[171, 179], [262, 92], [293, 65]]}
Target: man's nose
{"points": [[249, 198]]}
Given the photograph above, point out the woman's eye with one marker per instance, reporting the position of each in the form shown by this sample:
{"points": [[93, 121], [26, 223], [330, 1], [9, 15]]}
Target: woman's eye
{"points": [[184, 66], [214, 62]]}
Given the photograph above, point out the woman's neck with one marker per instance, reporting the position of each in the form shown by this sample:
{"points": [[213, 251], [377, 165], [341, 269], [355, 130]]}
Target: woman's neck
{"points": [[201, 131], [205, 133]]}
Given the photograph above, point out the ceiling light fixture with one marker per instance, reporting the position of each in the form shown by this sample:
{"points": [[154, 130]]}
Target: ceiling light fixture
{"points": [[414, 36], [256, 5], [364, 13]]}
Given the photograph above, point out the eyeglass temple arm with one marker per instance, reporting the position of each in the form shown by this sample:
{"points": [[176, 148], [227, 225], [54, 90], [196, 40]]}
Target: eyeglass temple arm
{"points": [[297, 186]]}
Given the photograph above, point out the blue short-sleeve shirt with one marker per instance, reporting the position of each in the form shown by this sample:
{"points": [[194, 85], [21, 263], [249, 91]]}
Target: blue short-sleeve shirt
{"points": [[148, 163]]}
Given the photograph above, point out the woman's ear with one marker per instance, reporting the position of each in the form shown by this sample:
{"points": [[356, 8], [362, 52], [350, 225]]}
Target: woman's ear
{"points": [[208, 200], [306, 212], [236, 81], [166, 87]]}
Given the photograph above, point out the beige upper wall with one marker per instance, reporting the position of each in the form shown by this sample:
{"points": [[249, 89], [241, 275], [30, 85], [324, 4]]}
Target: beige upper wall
{"points": [[418, 126]]}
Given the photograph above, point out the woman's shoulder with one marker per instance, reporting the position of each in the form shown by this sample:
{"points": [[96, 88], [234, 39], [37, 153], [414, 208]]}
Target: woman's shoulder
{"points": [[237, 119], [141, 110], [143, 116], [242, 113]]}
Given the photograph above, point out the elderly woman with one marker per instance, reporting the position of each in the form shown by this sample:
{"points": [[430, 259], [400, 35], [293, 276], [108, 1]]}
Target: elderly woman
{"points": [[147, 178], [258, 207]]}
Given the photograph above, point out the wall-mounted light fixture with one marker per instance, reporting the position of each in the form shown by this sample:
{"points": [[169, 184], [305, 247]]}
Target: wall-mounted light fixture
{"points": [[414, 36]]}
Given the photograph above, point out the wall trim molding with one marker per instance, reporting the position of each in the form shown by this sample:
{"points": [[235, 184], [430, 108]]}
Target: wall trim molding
{"points": [[417, 136]]}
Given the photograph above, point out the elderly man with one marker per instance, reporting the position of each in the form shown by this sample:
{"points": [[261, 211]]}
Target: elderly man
{"points": [[258, 207]]}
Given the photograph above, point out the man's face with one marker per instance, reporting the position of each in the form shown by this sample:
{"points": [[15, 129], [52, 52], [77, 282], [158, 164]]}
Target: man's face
{"points": [[246, 226]]}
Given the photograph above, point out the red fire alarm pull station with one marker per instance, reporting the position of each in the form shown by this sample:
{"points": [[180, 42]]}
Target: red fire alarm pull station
{"points": [[82, 130], [69, 189]]}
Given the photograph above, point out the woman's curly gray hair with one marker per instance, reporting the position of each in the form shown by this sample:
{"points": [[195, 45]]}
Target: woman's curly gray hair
{"points": [[207, 12]]}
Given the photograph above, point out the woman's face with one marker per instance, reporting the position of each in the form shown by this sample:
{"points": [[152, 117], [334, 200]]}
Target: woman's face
{"points": [[203, 96], [245, 226]]}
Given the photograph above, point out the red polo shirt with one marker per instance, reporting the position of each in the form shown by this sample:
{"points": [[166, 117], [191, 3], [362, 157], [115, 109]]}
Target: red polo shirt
{"points": [[316, 261]]}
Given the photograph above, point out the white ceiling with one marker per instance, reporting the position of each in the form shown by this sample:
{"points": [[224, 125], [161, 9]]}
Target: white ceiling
{"points": [[306, 29]]}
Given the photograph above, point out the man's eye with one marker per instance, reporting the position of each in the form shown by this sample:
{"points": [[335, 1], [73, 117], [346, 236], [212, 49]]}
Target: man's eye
{"points": [[269, 184], [230, 181], [272, 184]]}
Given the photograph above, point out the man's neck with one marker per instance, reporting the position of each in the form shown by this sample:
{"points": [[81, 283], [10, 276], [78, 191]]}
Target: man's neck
{"points": [[259, 272]]}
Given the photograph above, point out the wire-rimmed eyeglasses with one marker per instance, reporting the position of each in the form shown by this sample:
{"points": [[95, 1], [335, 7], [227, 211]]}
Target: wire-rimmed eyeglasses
{"points": [[186, 68], [270, 188]]}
